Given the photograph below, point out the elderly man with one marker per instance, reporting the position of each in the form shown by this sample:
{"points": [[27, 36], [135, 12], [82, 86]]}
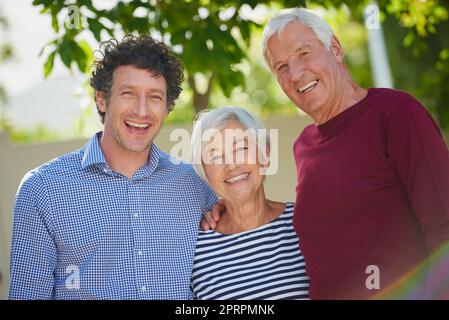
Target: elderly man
{"points": [[372, 189], [372, 172]]}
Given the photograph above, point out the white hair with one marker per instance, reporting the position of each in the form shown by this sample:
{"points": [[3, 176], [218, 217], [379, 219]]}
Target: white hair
{"points": [[217, 119], [306, 17]]}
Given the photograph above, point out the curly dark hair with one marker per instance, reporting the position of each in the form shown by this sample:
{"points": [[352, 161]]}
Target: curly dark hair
{"points": [[144, 53]]}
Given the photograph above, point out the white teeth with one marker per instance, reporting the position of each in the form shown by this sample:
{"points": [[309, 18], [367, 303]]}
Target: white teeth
{"points": [[137, 125], [307, 86], [237, 178]]}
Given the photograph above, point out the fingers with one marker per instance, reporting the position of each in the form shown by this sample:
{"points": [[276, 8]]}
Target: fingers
{"points": [[211, 221], [211, 218], [218, 209], [204, 225], [208, 223]]}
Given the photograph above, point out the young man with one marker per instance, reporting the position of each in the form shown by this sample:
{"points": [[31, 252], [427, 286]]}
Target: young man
{"points": [[116, 219]]}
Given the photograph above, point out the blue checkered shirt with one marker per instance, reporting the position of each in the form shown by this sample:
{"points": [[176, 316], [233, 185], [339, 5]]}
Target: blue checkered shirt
{"points": [[83, 231]]}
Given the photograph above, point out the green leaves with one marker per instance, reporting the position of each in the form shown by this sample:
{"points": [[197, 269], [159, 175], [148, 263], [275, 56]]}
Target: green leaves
{"points": [[69, 51], [48, 66], [212, 42], [95, 27], [207, 41]]}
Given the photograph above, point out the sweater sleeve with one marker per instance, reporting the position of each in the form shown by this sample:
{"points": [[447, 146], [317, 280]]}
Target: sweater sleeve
{"points": [[420, 158]]}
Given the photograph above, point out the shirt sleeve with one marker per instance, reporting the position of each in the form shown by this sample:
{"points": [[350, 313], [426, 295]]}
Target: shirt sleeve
{"points": [[210, 198], [33, 250], [420, 157]]}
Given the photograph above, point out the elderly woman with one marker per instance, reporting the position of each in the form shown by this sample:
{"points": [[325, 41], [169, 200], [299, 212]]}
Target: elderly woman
{"points": [[253, 253]]}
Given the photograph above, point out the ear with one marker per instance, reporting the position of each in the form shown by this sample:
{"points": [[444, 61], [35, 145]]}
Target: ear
{"points": [[336, 49], [268, 157], [101, 101], [266, 164]]}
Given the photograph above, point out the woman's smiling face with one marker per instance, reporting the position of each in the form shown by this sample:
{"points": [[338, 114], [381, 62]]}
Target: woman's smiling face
{"points": [[231, 163]]}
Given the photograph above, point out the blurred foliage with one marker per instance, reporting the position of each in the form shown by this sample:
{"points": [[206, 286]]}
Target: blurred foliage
{"points": [[422, 67], [418, 44], [211, 37], [40, 133], [219, 43], [417, 40], [6, 54]]}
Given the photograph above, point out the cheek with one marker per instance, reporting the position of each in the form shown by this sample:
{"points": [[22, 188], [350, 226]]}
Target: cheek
{"points": [[283, 82], [160, 113], [210, 173]]}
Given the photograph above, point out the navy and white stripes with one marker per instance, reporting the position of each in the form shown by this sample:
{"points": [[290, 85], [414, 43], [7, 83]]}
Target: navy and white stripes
{"points": [[263, 263]]}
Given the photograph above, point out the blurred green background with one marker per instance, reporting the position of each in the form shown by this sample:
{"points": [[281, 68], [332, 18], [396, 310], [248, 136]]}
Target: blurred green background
{"points": [[220, 45]]}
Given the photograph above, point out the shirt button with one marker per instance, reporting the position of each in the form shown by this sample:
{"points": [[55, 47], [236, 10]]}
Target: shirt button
{"points": [[140, 252], [143, 288], [135, 215]]}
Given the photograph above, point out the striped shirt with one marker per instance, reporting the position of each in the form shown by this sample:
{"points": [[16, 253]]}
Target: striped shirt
{"points": [[260, 264]]}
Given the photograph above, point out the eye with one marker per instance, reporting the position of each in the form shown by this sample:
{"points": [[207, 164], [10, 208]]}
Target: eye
{"points": [[156, 97], [212, 157], [304, 53], [127, 93], [282, 68], [215, 160]]}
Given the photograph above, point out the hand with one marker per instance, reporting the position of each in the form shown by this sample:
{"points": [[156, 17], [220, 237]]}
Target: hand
{"points": [[211, 218]]}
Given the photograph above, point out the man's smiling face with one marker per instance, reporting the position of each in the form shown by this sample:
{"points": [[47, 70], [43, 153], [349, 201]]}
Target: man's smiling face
{"points": [[136, 108], [308, 72]]}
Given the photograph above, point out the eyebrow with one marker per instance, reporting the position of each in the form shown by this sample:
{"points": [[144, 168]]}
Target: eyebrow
{"points": [[301, 48], [129, 86]]}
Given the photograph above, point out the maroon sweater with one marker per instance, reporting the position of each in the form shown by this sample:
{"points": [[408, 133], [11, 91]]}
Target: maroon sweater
{"points": [[372, 189]]}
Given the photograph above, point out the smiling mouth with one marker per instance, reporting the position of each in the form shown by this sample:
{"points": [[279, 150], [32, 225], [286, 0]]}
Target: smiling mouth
{"points": [[137, 126], [238, 178], [308, 86]]}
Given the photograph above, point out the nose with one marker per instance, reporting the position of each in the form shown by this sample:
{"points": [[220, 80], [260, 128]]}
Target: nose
{"points": [[296, 70], [141, 108], [230, 161], [234, 162], [230, 167]]}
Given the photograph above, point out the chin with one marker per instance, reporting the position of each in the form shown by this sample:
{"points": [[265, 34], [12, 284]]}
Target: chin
{"points": [[137, 148], [242, 195]]}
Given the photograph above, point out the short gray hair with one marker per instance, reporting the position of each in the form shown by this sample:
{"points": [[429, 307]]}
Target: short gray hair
{"points": [[218, 119], [306, 17]]}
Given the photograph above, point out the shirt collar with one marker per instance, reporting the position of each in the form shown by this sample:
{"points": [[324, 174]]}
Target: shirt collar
{"points": [[93, 154], [152, 163]]}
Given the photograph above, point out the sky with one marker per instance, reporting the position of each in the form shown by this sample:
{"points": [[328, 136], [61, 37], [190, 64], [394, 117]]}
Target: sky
{"points": [[28, 32], [34, 100]]}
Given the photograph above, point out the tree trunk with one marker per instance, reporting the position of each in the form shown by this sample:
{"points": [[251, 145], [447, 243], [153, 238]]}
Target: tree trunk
{"points": [[200, 100]]}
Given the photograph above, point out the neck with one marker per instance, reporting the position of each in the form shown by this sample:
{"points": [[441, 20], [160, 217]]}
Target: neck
{"points": [[349, 95], [246, 215], [120, 160]]}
